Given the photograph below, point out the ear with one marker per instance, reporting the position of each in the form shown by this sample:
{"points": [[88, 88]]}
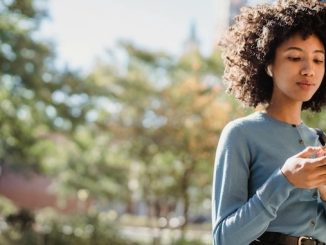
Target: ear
{"points": [[269, 70]]}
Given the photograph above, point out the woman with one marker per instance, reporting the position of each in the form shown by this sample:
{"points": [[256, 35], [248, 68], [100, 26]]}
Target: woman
{"points": [[269, 182]]}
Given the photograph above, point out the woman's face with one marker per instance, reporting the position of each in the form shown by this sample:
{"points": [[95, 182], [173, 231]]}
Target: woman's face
{"points": [[298, 68]]}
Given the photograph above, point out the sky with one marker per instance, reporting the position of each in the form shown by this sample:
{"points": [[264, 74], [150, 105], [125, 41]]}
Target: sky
{"points": [[83, 30]]}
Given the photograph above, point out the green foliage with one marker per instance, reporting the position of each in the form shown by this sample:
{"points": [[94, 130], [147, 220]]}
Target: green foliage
{"points": [[183, 241], [6, 206], [36, 99], [315, 119], [140, 128], [47, 115], [21, 59], [50, 228], [166, 114]]}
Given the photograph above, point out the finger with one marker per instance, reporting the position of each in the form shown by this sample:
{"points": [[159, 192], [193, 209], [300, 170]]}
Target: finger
{"points": [[321, 180], [307, 152], [319, 161], [321, 151]]}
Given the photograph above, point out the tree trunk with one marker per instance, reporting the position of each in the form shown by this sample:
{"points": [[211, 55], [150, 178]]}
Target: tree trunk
{"points": [[185, 199]]}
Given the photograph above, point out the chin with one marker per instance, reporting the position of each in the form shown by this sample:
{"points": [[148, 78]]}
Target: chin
{"points": [[306, 99]]}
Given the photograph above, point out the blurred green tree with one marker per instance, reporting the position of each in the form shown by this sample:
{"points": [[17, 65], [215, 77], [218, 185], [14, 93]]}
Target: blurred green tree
{"points": [[167, 113], [47, 115], [22, 70], [315, 119], [35, 98]]}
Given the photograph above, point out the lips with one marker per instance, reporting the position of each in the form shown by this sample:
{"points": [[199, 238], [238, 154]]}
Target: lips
{"points": [[305, 84]]}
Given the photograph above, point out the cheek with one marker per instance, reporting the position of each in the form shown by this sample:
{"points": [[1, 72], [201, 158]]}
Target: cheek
{"points": [[285, 69], [321, 74], [282, 76]]}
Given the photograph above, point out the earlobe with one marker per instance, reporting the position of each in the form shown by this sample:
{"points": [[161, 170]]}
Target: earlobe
{"points": [[269, 71]]}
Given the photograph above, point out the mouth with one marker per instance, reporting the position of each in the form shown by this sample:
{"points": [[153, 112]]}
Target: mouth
{"points": [[305, 84]]}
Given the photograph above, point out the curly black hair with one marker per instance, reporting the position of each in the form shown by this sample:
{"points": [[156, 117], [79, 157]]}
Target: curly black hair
{"points": [[250, 44]]}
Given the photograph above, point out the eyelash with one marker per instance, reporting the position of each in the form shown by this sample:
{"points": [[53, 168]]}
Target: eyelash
{"points": [[297, 59], [294, 58], [319, 61]]}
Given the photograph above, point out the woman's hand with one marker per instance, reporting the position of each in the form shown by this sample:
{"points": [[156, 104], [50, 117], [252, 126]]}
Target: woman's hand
{"points": [[322, 192], [303, 171]]}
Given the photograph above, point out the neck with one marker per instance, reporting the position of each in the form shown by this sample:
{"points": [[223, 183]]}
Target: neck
{"points": [[289, 113]]}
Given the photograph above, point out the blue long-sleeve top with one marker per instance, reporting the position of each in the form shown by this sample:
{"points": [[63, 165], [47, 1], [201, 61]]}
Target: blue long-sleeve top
{"points": [[250, 194]]}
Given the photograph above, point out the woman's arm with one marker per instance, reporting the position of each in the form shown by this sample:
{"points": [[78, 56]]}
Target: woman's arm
{"points": [[237, 220]]}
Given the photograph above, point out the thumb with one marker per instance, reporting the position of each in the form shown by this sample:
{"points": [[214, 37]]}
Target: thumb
{"points": [[307, 152]]}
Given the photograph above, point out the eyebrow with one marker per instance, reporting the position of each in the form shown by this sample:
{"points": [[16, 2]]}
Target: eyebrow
{"points": [[299, 49]]}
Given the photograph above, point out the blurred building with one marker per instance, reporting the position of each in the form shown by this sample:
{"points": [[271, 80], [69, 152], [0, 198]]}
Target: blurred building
{"points": [[28, 190], [192, 43]]}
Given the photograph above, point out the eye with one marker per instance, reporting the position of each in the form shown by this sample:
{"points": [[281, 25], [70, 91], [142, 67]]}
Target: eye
{"points": [[318, 61], [295, 59]]}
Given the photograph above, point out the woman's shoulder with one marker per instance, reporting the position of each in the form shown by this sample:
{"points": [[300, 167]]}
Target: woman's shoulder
{"points": [[249, 131], [243, 128], [251, 121]]}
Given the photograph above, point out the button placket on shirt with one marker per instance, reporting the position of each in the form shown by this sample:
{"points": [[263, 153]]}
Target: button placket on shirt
{"points": [[300, 140], [312, 223], [315, 195]]}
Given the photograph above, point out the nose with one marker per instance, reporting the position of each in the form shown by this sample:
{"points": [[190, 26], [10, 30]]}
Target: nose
{"points": [[307, 69]]}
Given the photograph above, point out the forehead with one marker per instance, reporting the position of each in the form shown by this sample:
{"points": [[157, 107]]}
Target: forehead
{"points": [[310, 43]]}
